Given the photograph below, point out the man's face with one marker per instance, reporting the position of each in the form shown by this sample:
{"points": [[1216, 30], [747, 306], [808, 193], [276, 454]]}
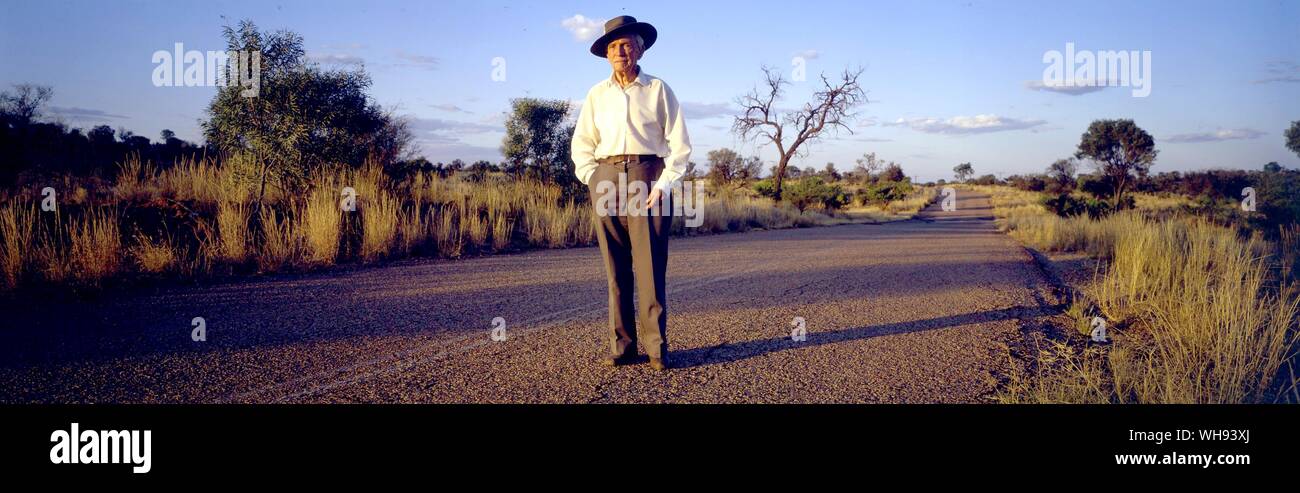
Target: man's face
{"points": [[622, 53]]}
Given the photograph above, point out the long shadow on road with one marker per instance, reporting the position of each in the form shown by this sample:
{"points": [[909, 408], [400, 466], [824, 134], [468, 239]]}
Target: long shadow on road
{"points": [[732, 352]]}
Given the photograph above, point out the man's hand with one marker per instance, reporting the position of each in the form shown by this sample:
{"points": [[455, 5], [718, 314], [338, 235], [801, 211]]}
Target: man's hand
{"points": [[654, 197]]}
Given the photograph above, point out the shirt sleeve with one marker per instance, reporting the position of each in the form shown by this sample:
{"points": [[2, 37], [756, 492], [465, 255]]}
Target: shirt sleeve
{"points": [[583, 148], [679, 142]]}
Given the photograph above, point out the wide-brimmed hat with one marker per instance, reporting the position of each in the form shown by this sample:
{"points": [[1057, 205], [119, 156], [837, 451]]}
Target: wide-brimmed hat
{"points": [[619, 26]]}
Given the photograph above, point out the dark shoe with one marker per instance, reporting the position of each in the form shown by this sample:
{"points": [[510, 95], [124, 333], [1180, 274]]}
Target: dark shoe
{"points": [[658, 364], [626, 359]]}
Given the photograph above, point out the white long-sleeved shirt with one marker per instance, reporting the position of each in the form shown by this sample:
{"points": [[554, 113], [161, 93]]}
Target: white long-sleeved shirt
{"points": [[643, 118]]}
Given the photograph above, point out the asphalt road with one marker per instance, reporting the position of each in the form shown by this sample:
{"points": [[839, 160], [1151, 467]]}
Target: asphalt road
{"points": [[915, 311]]}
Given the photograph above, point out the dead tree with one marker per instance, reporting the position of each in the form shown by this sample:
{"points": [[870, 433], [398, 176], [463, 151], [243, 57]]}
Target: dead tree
{"points": [[831, 108]]}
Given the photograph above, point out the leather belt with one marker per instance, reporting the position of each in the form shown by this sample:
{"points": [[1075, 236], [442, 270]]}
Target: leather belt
{"points": [[629, 159]]}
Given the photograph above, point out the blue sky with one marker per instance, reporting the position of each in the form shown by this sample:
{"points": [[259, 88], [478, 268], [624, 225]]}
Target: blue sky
{"points": [[948, 81]]}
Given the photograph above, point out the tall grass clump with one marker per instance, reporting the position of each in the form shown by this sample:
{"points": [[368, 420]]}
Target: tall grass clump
{"points": [[154, 256], [1209, 323], [17, 232], [321, 225], [280, 242], [96, 247], [232, 232], [379, 219], [1197, 312]]}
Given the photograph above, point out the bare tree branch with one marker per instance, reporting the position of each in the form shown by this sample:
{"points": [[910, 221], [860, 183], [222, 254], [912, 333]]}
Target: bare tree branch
{"points": [[831, 109]]}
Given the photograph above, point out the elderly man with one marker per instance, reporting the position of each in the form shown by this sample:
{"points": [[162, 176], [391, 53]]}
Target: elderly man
{"points": [[631, 131]]}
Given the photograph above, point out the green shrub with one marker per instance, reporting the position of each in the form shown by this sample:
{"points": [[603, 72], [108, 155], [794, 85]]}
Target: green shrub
{"points": [[884, 192], [1067, 205]]}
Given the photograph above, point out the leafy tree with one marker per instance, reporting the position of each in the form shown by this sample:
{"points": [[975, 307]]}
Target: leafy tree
{"points": [[963, 171], [830, 173], [1293, 137], [867, 167], [538, 138], [724, 165], [1120, 150], [893, 172], [102, 135], [1062, 172], [303, 117], [23, 106]]}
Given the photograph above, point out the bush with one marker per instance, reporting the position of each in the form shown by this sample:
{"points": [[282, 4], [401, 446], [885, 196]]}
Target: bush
{"points": [[765, 188], [884, 192], [836, 198], [1067, 205]]}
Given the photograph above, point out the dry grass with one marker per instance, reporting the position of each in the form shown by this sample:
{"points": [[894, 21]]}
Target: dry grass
{"points": [[232, 232], [154, 256], [446, 234], [424, 214], [913, 204], [1197, 313], [96, 246], [280, 242], [321, 225], [379, 218], [17, 227]]}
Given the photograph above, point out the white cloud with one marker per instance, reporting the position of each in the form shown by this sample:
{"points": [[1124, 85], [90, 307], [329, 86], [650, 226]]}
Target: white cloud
{"points": [[442, 140], [962, 125], [583, 28], [83, 114], [1281, 71], [1216, 136], [446, 152], [1072, 90], [344, 46], [431, 126], [450, 108], [335, 59], [414, 60], [707, 110]]}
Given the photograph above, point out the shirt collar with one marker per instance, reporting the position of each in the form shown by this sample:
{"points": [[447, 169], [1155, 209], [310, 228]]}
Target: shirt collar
{"points": [[641, 77]]}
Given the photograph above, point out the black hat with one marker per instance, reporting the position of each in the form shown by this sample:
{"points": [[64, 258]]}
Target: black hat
{"points": [[619, 26]]}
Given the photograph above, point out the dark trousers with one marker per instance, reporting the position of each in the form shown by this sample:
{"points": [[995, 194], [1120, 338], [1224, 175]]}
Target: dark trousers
{"points": [[637, 244]]}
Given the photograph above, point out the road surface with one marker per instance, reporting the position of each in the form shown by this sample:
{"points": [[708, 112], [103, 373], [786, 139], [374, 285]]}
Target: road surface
{"points": [[918, 311]]}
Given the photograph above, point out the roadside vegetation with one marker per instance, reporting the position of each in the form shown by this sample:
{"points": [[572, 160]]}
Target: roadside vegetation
{"points": [[1197, 292], [313, 173]]}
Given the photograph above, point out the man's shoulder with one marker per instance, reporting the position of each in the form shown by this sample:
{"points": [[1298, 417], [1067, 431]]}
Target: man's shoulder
{"points": [[598, 86], [653, 81]]}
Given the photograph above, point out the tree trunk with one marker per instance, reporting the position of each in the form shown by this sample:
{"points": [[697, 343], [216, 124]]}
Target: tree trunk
{"points": [[780, 176], [255, 218], [1119, 193]]}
